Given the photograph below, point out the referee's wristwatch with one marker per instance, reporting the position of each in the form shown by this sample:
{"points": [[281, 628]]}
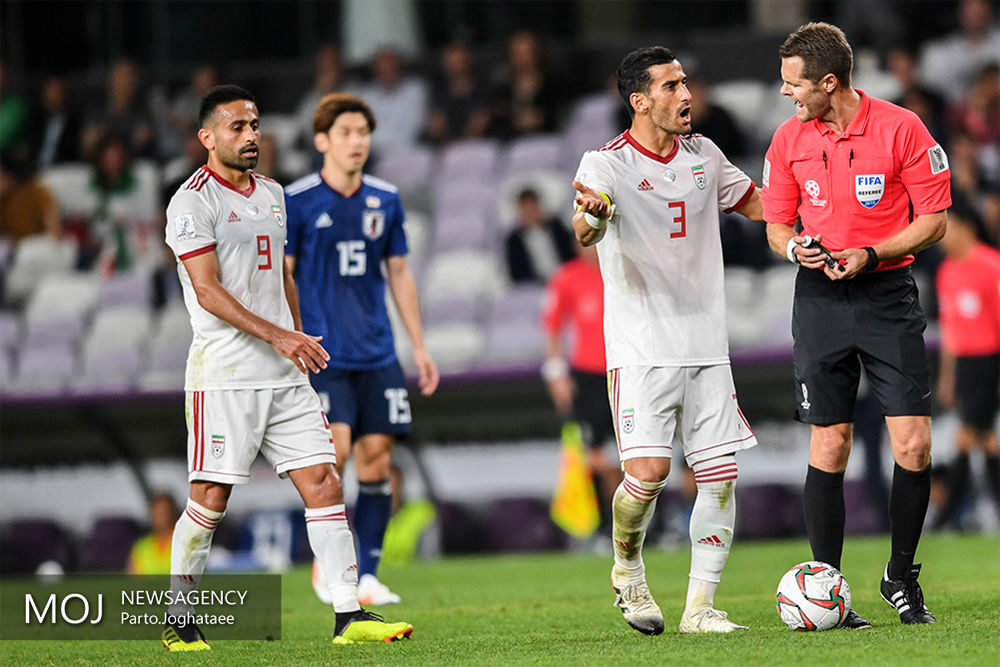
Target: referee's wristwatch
{"points": [[873, 260]]}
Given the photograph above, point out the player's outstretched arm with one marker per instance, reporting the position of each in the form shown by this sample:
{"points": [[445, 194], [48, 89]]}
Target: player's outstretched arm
{"points": [[593, 209], [404, 293], [753, 209], [304, 350]]}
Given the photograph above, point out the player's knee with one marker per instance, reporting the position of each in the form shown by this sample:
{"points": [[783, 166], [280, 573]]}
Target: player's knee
{"points": [[914, 453], [650, 469], [211, 495]]}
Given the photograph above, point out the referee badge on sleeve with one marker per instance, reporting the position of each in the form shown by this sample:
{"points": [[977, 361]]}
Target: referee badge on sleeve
{"points": [[938, 158]]}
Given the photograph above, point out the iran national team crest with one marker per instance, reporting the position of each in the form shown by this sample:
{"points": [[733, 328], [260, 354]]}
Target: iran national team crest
{"points": [[628, 421], [218, 445], [868, 188], [276, 210], [373, 224], [699, 176]]}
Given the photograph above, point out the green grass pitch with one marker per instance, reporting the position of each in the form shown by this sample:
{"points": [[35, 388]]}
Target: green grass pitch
{"points": [[555, 609]]}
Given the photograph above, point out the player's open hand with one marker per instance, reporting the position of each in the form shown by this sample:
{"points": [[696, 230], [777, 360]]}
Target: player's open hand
{"points": [[428, 380], [304, 350], [591, 201]]}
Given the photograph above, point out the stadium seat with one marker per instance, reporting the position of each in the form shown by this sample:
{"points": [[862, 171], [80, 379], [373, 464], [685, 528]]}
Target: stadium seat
{"points": [[744, 322], [461, 228], [533, 152], [469, 160], [522, 302], [6, 369], [745, 100], [10, 330], [596, 113], [462, 272], [36, 257], [59, 306], [466, 308], [70, 185], [408, 167], [453, 198], [27, 543], [513, 343], [108, 369], [107, 547], [419, 230], [132, 287], [44, 370], [455, 346]]}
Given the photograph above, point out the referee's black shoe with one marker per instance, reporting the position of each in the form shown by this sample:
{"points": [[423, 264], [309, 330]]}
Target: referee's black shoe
{"points": [[854, 621], [906, 597]]}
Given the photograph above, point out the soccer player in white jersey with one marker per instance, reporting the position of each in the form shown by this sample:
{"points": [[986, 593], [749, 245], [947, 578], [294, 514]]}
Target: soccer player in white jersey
{"points": [[247, 379], [651, 199]]}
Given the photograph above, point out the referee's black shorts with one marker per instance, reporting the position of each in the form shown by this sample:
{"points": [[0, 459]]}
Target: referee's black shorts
{"points": [[874, 319], [591, 407], [977, 380]]}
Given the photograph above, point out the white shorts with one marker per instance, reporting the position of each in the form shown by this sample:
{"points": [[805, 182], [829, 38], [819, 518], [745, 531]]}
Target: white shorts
{"points": [[651, 404], [226, 429]]}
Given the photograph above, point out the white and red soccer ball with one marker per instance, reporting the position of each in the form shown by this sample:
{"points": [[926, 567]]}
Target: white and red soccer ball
{"points": [[813, 596]]}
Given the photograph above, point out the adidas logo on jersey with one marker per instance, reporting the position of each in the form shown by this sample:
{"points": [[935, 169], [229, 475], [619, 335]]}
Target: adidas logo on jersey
{"points": [[645, 186], [712, 541], [233, 217]]}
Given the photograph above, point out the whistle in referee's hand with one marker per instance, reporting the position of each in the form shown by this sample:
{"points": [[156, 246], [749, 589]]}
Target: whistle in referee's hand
{"points": [[810, 242]]}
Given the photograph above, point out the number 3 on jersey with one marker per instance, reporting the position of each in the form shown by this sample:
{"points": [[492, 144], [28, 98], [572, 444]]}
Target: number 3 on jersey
{"points": [[353, 260], [264, 252], [680, 220]]}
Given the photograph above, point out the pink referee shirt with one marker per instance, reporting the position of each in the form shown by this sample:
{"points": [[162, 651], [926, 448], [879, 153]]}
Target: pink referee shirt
{"points": [[856, 189], [969, 299], [575, 295]]}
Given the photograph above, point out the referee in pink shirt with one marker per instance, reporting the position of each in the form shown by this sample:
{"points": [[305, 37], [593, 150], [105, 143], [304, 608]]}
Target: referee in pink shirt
{"points": [[871, 188]]}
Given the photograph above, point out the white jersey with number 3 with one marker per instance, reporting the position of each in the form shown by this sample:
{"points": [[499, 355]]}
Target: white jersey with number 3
{"points": [[661, 257], [247, 232]]}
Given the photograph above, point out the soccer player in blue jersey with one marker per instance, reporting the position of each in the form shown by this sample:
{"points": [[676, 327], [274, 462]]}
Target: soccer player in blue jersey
{"points": [[343, 226]]}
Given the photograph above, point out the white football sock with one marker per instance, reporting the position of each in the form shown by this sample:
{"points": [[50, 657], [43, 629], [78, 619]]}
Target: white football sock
{"points": [[632, 508], [189, 549], [712, 520], [333, 545]]}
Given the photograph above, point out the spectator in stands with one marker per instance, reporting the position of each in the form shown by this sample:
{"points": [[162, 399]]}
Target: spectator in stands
{"points": [[56, 125], [27, 207], [978, 115], [269, 161], [713, 121], [329, 78], [119, 226], [13, 113], [526, 97], [536, 247], [969, 179], [182, 113], [968, 286], [459, 103], [913, 95], [398, 100], [124, 112], [949, 64], [579, 387], [151, 553]]}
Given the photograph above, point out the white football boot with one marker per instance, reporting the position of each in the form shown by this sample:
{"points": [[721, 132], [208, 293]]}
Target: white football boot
{"points": [[707, 619], [371, 591], [636, 602]]}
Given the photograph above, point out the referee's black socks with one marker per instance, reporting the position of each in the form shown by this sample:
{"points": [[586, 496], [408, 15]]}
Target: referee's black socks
{"points": [[823, 502], [911, 491]]}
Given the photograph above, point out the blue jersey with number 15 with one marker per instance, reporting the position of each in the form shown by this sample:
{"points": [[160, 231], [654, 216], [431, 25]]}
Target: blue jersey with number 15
{"points": [[339, 244]]}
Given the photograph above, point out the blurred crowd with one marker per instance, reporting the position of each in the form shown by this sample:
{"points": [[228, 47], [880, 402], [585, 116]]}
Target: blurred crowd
{"points": [[459, 94]]}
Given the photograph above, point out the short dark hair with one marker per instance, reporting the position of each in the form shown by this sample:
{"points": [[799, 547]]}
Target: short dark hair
{"points": [[632, 75], [824, 49], [333, 105], [220, 95]]}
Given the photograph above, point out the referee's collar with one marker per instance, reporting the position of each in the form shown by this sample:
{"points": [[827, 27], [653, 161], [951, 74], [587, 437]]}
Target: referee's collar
{"points": [[858, 123]]}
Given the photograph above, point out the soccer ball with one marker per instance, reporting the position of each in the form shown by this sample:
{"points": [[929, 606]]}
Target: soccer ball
{"points": [[813, 596]]}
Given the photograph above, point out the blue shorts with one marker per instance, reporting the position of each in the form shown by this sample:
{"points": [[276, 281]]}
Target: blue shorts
{"points": [[373, 401]]}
